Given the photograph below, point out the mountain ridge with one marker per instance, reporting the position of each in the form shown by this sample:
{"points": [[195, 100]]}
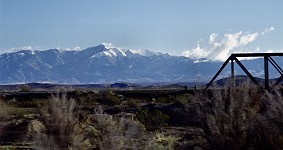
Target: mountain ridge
{"points": [[106, 64]]}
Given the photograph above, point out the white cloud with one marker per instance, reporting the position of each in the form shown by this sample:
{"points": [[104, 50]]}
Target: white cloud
{"points": [[196, 53], [245, 39], [213, 37], [266, 30], [220, 48], [21, 48]]}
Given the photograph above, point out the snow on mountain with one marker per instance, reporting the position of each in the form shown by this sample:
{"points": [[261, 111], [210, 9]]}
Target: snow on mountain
{"points": [[107, 64], [202, 60], [110, 52], [132, 53]]}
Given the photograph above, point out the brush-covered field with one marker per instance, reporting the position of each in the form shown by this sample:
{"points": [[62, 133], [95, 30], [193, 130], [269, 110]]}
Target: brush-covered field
{"points": [[244, 117]]}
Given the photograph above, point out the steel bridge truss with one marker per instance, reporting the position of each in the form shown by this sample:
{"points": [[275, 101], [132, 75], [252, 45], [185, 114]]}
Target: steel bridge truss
{"points": [[267, 58]]}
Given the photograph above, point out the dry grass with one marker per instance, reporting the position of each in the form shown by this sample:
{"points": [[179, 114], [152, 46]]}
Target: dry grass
{"points": [[162, 142], [62, 126], [117, 133], [5, 110], [60, 121], [245, 117]]}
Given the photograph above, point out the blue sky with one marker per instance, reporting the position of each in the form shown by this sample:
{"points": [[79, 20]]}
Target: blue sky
{"points": [[194, 28]]}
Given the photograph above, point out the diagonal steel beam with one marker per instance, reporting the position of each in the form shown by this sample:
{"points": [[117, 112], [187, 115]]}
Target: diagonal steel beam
{"points": [[267, 58], [279, 80], [219, 71], [275, 65], [246, 71], [278, 68]]}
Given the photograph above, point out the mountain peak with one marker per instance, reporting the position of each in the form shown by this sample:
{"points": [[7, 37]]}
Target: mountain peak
{"points": [[104, 50], [106, 64], [107, 45]]}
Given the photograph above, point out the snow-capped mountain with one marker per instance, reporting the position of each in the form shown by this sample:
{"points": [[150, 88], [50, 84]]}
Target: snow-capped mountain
{"points": [[107, 64]]}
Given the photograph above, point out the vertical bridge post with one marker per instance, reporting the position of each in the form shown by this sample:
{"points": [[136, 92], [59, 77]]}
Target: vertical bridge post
{"points": [[232, 72], [266, 73]]}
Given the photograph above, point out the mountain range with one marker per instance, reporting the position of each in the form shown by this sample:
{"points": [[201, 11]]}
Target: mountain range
{"points": [[104, 64]]}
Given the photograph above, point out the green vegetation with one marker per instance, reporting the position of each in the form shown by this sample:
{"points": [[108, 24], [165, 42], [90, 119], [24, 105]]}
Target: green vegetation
{"points": [[24, 88], [245, 117], [29, 103], [63, 127], [152, 120], [5, 110], [162, 142], [108, 97]]}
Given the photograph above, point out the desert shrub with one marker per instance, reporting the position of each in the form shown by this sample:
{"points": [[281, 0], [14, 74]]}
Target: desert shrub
{"points": [[86, 98], [108, 97], [162, 142], [119, 133], [240, 118], [78, 91], [225, 118], [63, 126], [131, 102], [5, 110], [24, 88], [152, 120], [59, 120], [182, 99], [266, 131]]}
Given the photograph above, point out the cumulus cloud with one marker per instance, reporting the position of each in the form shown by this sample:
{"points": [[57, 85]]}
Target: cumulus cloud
{"points": [[213, 37], [196, 53], [220, 48], [246, 39]]}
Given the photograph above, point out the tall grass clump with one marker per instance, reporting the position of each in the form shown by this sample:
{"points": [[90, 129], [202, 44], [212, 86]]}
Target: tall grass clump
{"points": [[63, 126], [267, 130], [117, 133], [60, 124], [245, 117]]}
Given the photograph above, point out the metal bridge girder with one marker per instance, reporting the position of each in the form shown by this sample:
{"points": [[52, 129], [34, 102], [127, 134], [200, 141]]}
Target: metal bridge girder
{"points": [[267, 58]]}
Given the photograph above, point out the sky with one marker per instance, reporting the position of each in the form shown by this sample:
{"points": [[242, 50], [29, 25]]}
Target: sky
{"points": [[194, 28]]}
